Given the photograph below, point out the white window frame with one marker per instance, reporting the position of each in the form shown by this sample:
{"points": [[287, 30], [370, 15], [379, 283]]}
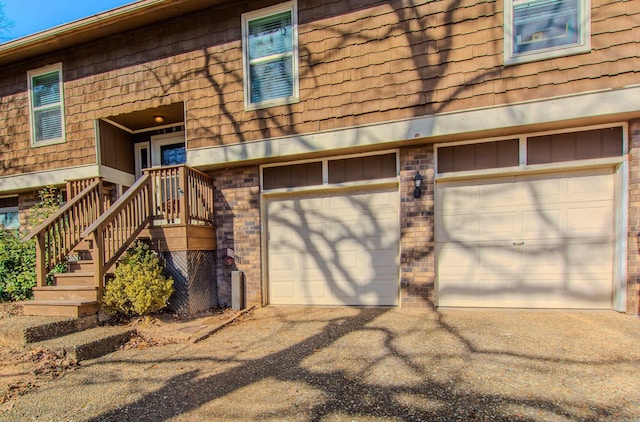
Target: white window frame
{"points": [[32, 109], [582, 46], [292, 7]]}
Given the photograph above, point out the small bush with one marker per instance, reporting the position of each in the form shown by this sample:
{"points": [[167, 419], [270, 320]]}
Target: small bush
{"points": [[17, 266], [18, 257], [139, 287]]}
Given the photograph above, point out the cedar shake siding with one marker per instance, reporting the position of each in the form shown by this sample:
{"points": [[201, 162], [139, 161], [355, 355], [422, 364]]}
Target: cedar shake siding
{"points": [[360, 62]]}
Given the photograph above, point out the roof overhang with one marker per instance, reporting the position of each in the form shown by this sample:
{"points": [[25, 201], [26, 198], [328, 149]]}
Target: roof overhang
{"points": [[137, 14]]}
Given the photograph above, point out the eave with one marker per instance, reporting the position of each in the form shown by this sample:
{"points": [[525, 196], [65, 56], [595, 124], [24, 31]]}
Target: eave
{"points": [[111, 22]]}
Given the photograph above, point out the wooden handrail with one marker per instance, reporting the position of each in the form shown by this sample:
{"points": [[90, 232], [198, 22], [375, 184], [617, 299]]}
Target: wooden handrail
{"points": [[119, 226], [62, 231], [182, 195]]}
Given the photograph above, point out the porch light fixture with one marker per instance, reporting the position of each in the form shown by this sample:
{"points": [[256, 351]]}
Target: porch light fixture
{"points": [[158, 119], [417, 181]]}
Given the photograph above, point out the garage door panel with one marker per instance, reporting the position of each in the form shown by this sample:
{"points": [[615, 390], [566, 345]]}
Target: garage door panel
{"points": [[542, 223], [590, 187], [490, 291], [590, 220], [561, 238], [346, 246], [478, 260], [504, 225], [471, 195]]}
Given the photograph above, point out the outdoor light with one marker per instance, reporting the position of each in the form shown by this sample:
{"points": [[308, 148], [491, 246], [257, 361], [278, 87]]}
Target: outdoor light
{"points": [[417, 180], [158, 119]]}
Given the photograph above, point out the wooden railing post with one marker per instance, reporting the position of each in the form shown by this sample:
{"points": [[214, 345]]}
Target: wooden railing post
{"points": [[184, 190], [41, 261], [98, 259]]}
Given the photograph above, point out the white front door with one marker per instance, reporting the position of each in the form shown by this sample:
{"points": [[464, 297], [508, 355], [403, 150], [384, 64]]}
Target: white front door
{"points": [[537, 241], [162, 150], [168, 149]]}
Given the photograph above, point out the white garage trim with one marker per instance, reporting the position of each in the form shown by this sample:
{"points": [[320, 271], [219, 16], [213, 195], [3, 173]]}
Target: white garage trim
{"points": [[337, 247], [620, 176], [543, 240]]}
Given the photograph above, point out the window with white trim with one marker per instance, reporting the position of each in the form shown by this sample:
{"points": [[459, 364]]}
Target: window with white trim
{"points": [[270, 56], [9, 213], [542, 29], [46, 105]]}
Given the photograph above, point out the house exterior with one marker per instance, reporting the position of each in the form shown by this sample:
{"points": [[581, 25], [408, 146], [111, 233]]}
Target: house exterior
{"points": [[397, 153]]}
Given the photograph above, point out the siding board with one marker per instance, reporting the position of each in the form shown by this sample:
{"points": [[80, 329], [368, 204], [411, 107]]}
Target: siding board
{"points": [[360, 62]]}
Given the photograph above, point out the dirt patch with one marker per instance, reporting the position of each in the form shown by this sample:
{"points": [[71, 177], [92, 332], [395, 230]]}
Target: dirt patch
{"points": [[167, 328], [24, 371], [9, 309], [21, 372]]}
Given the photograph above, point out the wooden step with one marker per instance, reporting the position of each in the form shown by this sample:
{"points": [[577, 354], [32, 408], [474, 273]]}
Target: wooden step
{"points": [[82, 293], [81, 266], [74, 279], [70, 308]]}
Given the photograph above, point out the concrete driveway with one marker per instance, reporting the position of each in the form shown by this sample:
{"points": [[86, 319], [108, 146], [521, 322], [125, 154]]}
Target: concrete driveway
{"points": [[334, 364]]}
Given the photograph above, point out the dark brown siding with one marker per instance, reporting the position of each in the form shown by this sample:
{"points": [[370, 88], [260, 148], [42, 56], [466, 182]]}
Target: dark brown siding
{"points": [[116, 148]]}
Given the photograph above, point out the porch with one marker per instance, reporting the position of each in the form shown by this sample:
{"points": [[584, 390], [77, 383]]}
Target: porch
{"points": [[170, 207]]}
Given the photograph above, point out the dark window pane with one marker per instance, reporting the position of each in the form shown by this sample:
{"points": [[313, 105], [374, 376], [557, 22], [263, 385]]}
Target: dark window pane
{"points": [[600, 143], [173, 154], [362, 168], [296, 175], [479, 156]]}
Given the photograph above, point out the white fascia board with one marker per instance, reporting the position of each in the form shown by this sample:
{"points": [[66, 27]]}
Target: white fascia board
{"points": [[37, 180], [556, 109]]}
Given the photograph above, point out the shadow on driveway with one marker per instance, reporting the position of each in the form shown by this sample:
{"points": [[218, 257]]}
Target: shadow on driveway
{"points": [[378, 363]]}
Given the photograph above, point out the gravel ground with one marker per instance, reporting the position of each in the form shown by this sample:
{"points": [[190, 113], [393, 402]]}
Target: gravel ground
{"points": [[364, 364]]}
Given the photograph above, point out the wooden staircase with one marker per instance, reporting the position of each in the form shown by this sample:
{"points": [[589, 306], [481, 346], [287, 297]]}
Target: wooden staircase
{"points": [[91, 233], [74, 293]]}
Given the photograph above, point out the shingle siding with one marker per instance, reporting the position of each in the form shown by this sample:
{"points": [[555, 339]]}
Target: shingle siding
{"points": [[360, 62]]}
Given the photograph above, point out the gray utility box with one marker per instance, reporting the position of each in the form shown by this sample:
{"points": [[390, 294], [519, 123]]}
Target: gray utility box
{"points": [[237, 290]]}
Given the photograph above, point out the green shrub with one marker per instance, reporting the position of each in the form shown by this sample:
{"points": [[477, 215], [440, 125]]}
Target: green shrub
{"points": [[18, 257], [17, 266], [139, 287]]}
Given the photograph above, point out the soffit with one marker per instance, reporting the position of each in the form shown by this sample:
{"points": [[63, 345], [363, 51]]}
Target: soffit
{"points": [[144, 119], [111, 22]]}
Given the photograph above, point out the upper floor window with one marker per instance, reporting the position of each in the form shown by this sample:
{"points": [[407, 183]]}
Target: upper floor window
{"points": [[270, 56], [541, 29], [9, 214], [46, 105]]}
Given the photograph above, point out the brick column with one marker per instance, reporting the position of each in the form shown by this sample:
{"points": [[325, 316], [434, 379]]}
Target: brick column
{"points": [[633, 257], [237, 215], [417, 243]]}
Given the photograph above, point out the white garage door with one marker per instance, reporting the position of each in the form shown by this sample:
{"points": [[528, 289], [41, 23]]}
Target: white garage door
{"points": [[542, 241], [334, 249]]}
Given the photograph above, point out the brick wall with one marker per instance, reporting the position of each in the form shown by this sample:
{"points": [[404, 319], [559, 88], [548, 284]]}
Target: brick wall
{"points": [[237, 217], [417, 242], [633, 247]]}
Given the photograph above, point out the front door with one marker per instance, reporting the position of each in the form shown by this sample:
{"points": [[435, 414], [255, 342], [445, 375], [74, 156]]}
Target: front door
{"points": [[168, 149]]}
